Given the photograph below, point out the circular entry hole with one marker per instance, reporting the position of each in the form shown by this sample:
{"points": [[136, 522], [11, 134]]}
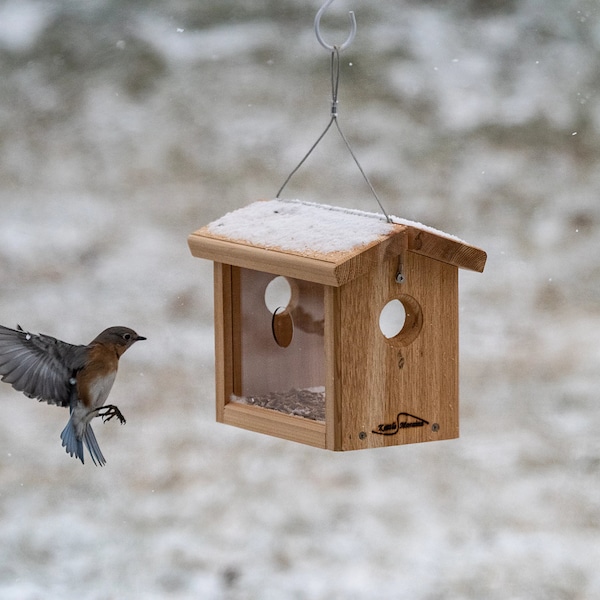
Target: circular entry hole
{"points": [[278, 294], [400, 320], [392, 318]]}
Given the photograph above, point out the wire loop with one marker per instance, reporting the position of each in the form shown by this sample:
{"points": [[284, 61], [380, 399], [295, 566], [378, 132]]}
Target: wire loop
{"points": [[320, 39]]}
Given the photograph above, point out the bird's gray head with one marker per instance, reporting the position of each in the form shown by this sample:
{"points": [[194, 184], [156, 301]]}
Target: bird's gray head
{"points": [[121, 337]]}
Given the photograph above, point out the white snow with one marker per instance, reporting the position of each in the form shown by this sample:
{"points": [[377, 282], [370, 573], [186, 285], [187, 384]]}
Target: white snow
{"points": [[301, 226], [422, 227]]}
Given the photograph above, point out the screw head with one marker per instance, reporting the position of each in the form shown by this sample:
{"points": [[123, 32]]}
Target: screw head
{"points": [[435, 427], [362, 435]]}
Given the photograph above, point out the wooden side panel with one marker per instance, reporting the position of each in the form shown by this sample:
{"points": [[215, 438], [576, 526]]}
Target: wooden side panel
{"points": [[333, 383], [405, 389], [235, 317], [223, 337]]}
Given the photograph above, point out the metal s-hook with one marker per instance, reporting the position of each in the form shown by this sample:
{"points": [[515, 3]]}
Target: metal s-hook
{"points": [[321, 41]]}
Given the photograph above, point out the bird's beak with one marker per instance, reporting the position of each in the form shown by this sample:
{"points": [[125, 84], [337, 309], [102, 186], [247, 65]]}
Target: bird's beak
{"points": [[140, 338]]}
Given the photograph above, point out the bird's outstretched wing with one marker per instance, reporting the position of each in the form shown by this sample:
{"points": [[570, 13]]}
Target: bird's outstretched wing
{"points": [[40, 366]]}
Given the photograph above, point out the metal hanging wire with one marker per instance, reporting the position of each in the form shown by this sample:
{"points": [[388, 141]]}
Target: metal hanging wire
{"points": [[335, 79]]}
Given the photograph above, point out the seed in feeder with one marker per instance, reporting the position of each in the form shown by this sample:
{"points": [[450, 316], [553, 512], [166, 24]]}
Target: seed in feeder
{"points": [[308, 403]]}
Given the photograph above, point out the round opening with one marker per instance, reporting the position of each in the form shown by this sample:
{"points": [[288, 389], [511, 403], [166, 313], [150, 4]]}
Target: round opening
{"points": [[400, 320], [278, 300], [392, 318], [278, 294]]}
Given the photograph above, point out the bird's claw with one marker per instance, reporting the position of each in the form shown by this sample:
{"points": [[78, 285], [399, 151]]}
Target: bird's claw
{"points": [[110, 412]]}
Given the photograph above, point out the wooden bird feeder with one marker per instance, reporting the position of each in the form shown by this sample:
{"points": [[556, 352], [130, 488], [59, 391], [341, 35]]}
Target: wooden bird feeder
{"points": [[335, 328]]}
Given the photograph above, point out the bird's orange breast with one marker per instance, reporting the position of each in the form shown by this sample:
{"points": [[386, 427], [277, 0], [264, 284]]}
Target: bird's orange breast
{"points": [[95, 380]]}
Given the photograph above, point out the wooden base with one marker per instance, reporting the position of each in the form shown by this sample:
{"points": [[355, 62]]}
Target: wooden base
{"points": [[271, 422]]}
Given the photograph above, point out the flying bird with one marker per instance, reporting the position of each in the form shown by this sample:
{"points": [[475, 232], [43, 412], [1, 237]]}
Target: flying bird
{"points": [[63, 374]]}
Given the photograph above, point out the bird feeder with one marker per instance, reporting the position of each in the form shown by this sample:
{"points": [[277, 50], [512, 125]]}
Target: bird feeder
{"points": [[335, 328]]}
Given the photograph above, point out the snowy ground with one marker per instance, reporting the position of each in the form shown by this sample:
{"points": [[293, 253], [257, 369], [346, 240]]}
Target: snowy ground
{"points": [[126, 125]]}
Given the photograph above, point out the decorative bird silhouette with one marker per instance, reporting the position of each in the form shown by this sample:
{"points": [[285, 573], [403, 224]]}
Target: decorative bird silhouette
{"points": [[79, 377]]}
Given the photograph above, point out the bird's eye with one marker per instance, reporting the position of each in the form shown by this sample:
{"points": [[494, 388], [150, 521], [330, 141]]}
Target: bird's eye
{"points": [[126, 336]]}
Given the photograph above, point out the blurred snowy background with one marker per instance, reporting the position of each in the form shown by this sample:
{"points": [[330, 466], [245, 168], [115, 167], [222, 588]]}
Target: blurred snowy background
{"points": [[125, 125]]}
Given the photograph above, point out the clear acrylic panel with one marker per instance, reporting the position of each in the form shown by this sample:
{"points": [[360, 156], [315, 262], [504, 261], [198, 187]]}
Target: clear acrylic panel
{"points": [[281, 344]]}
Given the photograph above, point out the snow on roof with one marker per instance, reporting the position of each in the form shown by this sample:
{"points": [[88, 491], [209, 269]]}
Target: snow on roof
{"points": [[299, 226]]}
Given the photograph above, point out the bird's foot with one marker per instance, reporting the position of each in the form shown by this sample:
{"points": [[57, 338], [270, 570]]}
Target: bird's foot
{"points": [[110, 411]]}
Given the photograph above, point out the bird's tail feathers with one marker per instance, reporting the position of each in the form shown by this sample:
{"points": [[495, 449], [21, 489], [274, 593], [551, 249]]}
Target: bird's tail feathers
{"points": [[74, 446], [71, 443], [92, 446]]}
